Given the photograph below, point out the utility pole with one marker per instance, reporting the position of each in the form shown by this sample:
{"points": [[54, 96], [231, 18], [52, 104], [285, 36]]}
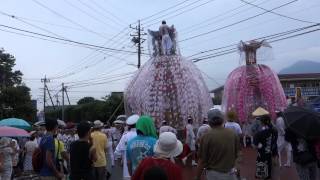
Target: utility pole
{"points": [[63, 101], [50, 97], [137, 40], [65, 89], [44, 80]]}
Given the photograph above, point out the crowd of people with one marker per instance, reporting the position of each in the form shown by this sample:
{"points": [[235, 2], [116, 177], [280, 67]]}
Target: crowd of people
{"points": [[89, 150]]}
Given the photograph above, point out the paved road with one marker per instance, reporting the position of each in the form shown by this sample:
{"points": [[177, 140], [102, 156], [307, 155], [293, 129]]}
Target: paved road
{"points": [[247, 169]]}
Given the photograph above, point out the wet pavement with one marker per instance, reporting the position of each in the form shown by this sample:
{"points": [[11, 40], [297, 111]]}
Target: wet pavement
{"points": [[247, 169]]}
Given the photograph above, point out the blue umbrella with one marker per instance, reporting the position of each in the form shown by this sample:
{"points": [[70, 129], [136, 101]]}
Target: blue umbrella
{"points": [[15, 122]]}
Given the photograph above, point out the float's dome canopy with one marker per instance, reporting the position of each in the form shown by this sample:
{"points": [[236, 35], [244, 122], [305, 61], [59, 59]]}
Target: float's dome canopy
{"points": [[252, 85], [168, 87]]}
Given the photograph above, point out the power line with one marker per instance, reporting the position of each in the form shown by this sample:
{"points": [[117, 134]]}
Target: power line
{"points": [[216, 19], [84, 60], [257, 25], [232, 50], [95, 80], [98, 12], [164, 10], [32, 25], [87, 61], [67, 40], [110, 13], [68, 19], [175, 15], [260, 38], [99, 83], [272, 12], [235, 23], [88, 14]]}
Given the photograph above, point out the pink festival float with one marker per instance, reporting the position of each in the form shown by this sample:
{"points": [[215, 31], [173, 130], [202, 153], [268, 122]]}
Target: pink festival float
{"points": [[167, 87], [253, 85]]}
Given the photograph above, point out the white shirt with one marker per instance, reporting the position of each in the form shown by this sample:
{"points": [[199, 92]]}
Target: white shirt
{"points": [[202, 130], [121, 149], [190, 136], [280, 126], [167, 129], [234, 126]]}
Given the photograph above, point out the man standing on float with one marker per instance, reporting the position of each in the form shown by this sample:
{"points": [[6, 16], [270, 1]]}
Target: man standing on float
{"points": [[165, 37]]}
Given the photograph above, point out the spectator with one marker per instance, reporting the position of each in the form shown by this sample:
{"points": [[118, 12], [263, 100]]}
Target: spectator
{"points": [[304, 156], [232, 124], [99, 141], [166, 128], [122, 146], [7, 151], [282, 143], [141, 146], [266, 143], [155, 173], [190, 141], [247, 133], [82, 154], [29, 148], [49, 170], [219, 150], [110, 154], [203, 129], [61, 156], [166, 148]]}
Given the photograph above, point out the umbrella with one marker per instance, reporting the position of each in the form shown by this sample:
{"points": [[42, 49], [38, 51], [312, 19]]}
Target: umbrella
{"points": [[6, 131], [15, 122], [302, 121], [42, 123]]}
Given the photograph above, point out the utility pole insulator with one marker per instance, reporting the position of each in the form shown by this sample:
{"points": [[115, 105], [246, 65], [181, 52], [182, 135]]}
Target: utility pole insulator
{"points": [[137, 40]]}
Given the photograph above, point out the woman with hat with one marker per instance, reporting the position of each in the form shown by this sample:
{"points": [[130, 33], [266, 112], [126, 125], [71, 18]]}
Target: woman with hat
{"points": [[266, 143], [165, 149]]}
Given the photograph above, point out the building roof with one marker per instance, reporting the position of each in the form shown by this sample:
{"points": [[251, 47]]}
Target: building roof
{"points": [[292, 77], [218, 89]]}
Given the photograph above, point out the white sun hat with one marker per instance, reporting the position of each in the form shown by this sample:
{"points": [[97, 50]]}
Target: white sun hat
{"points": [[97, 124], [168, 145], [132, 119]]}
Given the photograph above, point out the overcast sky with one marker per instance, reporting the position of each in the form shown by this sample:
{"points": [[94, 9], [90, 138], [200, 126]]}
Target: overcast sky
{"points": [[96, 21]]}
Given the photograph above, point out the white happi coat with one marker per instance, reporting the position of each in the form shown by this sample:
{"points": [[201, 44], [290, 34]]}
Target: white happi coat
{"points": [[121, 150]]}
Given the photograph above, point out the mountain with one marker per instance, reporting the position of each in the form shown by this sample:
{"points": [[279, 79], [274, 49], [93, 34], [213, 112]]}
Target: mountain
{"points": [[301, 67]]}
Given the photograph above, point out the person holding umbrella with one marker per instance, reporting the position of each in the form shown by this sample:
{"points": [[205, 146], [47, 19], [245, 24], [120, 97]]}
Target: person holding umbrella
{"points": [[266, 143], [302, 129]]}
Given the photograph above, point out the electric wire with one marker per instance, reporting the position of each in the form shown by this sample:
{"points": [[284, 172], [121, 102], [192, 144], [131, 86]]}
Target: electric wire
{"points": [[281, 15], [235, 23], [68, 19]]}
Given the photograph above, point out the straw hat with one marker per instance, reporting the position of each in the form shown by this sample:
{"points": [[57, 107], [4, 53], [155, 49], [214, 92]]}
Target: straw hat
{"points": [[260, 112], [168, 145]]}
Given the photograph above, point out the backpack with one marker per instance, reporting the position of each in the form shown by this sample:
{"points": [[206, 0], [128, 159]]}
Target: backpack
{"points": [[37, 160]]}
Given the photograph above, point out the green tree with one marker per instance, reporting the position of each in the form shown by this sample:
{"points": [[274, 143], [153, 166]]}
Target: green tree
{"points": [[18, 104], [15, 99], [8, 77], [86, 100]]}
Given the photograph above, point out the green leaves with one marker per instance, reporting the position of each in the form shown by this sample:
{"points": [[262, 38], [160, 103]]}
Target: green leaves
{"points": [[15, 100]]}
